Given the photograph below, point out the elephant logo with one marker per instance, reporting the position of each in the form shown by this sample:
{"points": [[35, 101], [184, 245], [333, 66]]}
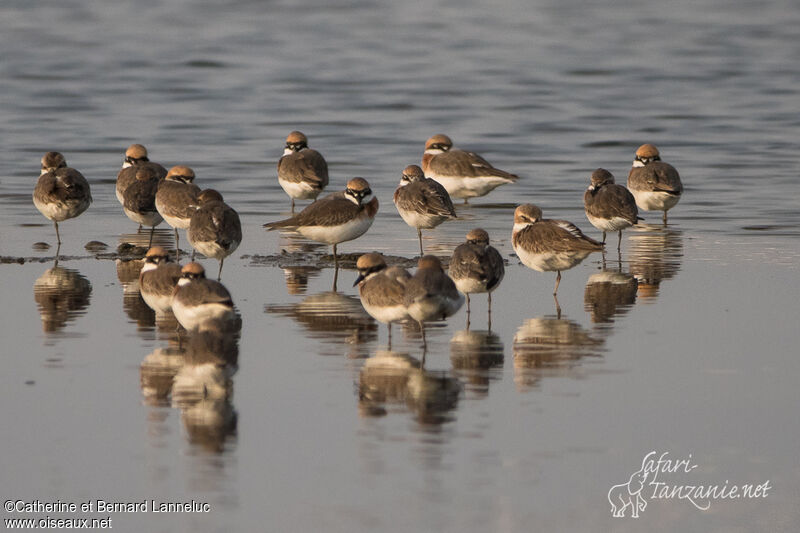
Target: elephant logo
{"points": [[628, 495]]}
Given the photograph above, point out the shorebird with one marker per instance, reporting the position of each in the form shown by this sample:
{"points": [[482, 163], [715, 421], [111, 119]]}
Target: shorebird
{"points": [[135, 158], [609, 207], [477, 267], [547, 245], [422, 202], [431, 294], [214, 230], [302, 172], [464, 174], [157, 279], [339, 217], [139, 199], [382, 289], [655, 185], [197, 300], [176, 199], [61, 192]]}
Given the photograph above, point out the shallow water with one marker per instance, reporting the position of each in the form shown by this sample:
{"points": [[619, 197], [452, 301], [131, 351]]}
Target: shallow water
{"points": [[307, 421]]}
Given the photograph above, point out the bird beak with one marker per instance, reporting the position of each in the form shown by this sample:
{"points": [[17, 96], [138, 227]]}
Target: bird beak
{"points": [[359, 279]]}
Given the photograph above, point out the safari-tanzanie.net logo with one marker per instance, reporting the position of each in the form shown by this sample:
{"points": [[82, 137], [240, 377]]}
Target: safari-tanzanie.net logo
{"points": [[663, 478]]}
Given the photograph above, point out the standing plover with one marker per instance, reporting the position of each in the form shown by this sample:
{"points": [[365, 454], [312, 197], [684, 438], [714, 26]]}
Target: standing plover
{"points": [[547, 245], [302, 172], [382, 289], [139, 200], [431, 294], [609, 207], [338, 217], [135, 158], [422, 202], [61, 192], [464, 174], [477, 267], [197, 300], [176, 199], [214, 230], [157, 279], [655, 185]]}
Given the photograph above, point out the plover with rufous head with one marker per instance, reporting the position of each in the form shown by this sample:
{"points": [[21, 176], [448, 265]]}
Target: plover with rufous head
{"points": [[549, 245], [608, 206], [157, 279], [655, 185], [302, 172], [382, 289], [61, 192], [464, 174], [176, 199], [423, 203], [197, 300], [477, 267], [338, 217], [139, 200], [215, 229], [135, 158]]}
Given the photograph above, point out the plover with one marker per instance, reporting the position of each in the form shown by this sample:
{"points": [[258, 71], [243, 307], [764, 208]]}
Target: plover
{"points": [[547, 245], [157, 280], [431, 294], [176, 199], [477, 267], [135, 158], [608, 206], [302, 172], [382, 290], [422, 202], [61, 192], [214, 230], [338, 217], [655, 185], [197, 300], [139, 200], [464, 174]]}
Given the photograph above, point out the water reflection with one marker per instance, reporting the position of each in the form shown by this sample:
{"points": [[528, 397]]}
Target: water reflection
{"points": [[132, 303], [392, 379], [297, 278], [61, 295], [335, 318], [141, 239], [609, 293], [477, 358], [655, 255], [195, 374], [550, 347]]}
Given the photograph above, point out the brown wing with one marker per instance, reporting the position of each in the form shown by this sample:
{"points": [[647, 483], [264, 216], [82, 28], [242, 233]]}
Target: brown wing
{"points": [[140, 196], [333, 210], [468, 164], [426, 196], [216, 221], [612, 201], [307, 165], [183, 198], [388, 291], [555, 236], [656, 176], [214, 292]]}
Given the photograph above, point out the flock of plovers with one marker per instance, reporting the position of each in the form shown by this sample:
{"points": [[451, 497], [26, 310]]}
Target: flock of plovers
{"points": [[150, 194]]}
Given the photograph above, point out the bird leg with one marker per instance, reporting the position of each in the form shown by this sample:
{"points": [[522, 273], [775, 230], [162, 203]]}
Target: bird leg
{"points": [[58, 236], [177, 248], [558, 280], [419, 234], [219, 274], [490, 312], [152, 230]]}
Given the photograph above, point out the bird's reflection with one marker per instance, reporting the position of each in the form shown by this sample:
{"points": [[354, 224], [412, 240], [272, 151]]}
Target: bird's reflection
{"points": [[655, 254], [333, 317], [477, 357], [396, 380], [132, 303], [61, 295], [196, 376], [297, 278], [609, 293], [549, 347], [141, 239]]}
